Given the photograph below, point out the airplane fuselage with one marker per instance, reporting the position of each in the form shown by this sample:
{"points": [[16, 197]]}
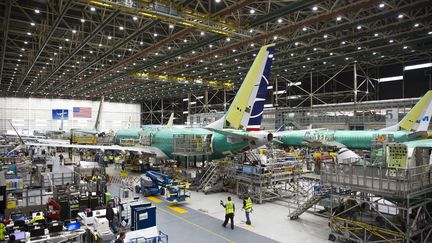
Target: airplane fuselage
{"points": [[351, 139], [163, 139]]}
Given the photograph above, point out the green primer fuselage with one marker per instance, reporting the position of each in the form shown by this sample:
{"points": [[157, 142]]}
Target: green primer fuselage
{"points": [[162, 138], [351, 139]]}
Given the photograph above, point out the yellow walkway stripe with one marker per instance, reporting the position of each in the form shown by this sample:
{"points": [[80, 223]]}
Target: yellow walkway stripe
{"points": [[196, 225], [177, 209], [154, 199]]}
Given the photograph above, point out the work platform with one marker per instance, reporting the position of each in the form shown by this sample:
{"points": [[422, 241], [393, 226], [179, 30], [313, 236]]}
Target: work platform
{"points": [[383, 181], [379, 204]]}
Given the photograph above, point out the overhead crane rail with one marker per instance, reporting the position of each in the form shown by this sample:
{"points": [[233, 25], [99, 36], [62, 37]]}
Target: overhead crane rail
{"points": [[175, 15]]}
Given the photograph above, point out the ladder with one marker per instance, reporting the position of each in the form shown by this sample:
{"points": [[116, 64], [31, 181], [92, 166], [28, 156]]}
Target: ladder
{"points": [[252, 157], [209, 178], [307, 204]]}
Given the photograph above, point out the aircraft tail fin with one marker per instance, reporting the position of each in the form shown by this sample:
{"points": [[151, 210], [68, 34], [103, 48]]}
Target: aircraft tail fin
{"points": [[418, 118], [99, 114], [170, 122], [246, 110]]}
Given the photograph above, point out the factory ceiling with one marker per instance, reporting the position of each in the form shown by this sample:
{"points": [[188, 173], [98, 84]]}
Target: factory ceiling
{"points": [[130, 50]]}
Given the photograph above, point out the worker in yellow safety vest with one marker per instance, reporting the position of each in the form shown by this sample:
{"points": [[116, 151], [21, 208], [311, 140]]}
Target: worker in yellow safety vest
{"points": [[105, 160], [111, 158], [117, 161], [2, 231], [247, 206], [229, 212], [37, 218]]}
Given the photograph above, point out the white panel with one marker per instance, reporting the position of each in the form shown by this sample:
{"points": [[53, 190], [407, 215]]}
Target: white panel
{"points": [[35, 113]]}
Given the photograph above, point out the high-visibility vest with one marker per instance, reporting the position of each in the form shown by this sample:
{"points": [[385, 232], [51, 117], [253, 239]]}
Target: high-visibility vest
{"points": [[105, 158], [248, 206], [2, 231], [229, 207], [117, 160], [37, 218]]}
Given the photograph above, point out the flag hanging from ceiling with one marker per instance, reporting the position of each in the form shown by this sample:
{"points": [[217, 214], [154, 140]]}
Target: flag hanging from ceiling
{"points": [[82, 112]]}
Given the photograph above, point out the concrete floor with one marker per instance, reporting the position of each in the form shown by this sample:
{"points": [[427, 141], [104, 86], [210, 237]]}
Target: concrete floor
{"points": [[203, 218]]}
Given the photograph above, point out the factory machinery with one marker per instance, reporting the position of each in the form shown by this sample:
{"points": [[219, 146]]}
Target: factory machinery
{"points": [[381, 202], [155, 183]]}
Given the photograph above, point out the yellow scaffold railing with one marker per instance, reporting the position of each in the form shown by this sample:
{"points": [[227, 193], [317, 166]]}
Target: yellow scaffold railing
{"points": [[352, 225]]}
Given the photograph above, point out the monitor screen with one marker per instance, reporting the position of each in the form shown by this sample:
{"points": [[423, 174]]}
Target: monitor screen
{"points": [[37, 232], [17, 217], [55, 227], [19, 235], [35, 213], [73, 226]]}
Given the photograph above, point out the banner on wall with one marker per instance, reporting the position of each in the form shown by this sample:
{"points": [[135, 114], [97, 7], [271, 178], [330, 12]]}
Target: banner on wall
{"points": [[59, 114], [82, 112], [392, 117]]}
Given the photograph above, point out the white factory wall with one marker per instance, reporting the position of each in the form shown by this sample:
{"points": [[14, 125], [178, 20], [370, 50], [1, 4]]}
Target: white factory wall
{"points": [[29, 114]]}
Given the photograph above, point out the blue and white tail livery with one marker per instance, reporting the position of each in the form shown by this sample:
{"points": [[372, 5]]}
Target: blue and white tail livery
{"points": [[246, 110]]}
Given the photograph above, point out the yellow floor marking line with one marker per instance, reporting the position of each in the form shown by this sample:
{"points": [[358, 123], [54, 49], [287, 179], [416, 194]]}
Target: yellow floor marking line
{"points": [[196, 225], [177, 209], [154, 199]]}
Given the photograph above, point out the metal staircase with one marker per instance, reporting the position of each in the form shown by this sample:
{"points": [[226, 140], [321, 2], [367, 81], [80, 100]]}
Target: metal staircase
{"points": [[307, 204], [209, 179], [252, 157]]}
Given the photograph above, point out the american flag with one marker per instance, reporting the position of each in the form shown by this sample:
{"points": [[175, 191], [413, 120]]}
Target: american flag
{"points": [[82, 112]]}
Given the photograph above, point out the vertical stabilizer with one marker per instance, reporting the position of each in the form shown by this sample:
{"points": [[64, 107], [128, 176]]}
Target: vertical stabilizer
{"points": [[99, 114], [418, 118], [171, 121], [247, 107]]}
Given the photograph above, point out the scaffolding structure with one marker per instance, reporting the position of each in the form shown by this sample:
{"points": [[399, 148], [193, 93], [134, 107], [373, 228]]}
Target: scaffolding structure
{"points": [[379, 204], [218, 176], [192, 144], [269, 182]]}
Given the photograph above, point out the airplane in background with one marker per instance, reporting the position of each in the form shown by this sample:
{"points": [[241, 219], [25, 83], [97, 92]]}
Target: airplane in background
{"points": [[232, 133], [64, 136], [413, 126]]}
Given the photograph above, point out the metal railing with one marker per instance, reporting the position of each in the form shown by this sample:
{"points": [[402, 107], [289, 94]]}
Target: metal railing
{"points": [[395, 182], [161, 238]]}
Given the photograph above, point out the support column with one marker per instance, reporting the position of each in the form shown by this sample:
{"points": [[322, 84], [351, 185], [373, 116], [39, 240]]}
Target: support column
{"points": [[162, 112], [151, 111], [189, 108], [311, 92], [276, 95], [206, 109], [355, 83], [224, 100]]}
